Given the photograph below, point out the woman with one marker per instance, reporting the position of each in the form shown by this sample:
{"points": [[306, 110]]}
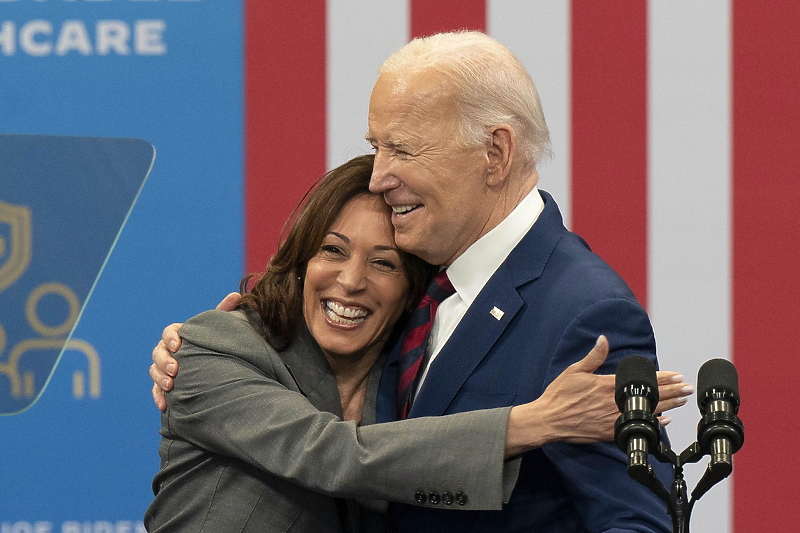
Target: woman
{"points": [[253, 437], [313, 325]]}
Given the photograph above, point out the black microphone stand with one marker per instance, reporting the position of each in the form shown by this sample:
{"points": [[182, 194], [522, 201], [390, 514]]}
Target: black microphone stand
{"points": [[679, 505]]}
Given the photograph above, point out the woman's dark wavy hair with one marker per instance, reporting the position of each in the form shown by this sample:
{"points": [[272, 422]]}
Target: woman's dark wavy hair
{"points": [[277, 295]]}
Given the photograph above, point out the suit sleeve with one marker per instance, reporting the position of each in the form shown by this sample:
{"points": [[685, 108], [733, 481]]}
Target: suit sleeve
{"points": [[596, 474], [228, 406]]}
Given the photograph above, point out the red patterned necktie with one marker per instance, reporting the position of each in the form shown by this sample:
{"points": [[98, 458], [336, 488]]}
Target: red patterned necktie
{"points": [[415, 339]]}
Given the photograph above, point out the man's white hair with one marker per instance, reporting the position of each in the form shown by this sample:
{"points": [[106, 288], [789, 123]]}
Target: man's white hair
{"points": [[490, 85]]}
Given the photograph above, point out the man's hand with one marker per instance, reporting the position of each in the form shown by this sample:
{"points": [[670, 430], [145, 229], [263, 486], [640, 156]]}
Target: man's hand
{"points": [[165, 367], [579, 407], [229, 303]]}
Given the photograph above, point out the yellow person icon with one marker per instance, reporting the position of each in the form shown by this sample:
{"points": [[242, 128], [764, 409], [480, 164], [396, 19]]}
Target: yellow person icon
{"points": [[23, 382], [15, 242], [15, 257]]}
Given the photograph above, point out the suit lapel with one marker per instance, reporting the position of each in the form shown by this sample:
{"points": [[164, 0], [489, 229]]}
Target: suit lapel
{"points": [[480, 328], [468, 345]]}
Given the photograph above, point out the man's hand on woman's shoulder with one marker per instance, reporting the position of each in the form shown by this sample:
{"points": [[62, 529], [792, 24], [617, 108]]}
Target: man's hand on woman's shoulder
{"points": [[165, 367]]}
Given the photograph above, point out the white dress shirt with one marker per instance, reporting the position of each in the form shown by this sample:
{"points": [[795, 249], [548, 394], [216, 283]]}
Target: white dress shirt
{"points": [[472, 269]]}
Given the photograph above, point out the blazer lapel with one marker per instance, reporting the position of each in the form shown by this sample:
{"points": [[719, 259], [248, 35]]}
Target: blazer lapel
{"points": [[369, 415], [312, 373], [480, 328]]}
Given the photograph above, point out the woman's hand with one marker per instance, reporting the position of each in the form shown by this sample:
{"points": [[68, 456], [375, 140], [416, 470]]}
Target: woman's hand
{"points": [[579, 406]]}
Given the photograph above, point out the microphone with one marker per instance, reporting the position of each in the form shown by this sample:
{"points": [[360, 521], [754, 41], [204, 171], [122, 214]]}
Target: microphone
{"points": [[636, 431], [720, 433]]}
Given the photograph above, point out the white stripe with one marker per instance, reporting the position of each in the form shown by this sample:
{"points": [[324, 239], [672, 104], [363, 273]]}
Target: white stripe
{"points": [[689, 251], [539, 34], [361, 35]]}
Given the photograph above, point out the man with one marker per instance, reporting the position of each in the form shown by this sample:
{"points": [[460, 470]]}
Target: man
{"points": [[458, 131]]}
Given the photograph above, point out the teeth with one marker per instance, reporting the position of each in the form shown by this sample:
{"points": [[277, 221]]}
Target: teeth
{"points": [[400, 209], [344, 315], [346, 311]]}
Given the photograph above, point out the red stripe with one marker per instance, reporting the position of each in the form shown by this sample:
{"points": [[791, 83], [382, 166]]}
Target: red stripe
{"points": [[408, 377], [415, 337], [433, 16], [284, 116], [766, 233], [609, 133]]}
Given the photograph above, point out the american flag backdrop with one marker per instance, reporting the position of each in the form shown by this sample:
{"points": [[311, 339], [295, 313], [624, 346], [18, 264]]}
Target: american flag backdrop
{"points": [[676, 132]]}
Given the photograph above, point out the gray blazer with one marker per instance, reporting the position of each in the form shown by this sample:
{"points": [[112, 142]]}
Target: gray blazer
{"points": [[253, 441]]}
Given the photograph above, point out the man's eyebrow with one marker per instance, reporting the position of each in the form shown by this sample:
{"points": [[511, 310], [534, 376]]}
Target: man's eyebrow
{"points": [[397, 143]]}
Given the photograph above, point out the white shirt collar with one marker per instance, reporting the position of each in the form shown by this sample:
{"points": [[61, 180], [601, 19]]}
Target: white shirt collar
{"points": [[472, 269]]}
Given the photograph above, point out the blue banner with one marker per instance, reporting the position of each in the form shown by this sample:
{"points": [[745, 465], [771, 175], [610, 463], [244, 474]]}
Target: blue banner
{"points": [[81, 459]]}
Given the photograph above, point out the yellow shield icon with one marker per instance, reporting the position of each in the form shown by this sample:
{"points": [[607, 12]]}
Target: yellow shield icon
{"points": [[15, 242]]}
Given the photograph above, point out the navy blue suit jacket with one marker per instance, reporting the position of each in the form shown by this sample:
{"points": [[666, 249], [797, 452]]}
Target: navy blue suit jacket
{"points": [[557, 297]]}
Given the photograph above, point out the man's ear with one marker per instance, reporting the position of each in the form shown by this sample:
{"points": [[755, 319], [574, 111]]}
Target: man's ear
{"points": [[500, 152]]}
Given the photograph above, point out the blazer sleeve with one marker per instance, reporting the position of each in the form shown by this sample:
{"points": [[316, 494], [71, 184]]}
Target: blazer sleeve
{"points": [[243, 407], [596, 474]]}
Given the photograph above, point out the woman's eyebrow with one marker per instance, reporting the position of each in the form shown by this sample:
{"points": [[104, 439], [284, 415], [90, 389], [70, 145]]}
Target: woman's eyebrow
{"points": [[386, 247], [345, 238]]}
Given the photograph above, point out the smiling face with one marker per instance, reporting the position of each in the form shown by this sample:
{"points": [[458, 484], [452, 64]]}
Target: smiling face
{"points": [[438, 190], [355, 286]]}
